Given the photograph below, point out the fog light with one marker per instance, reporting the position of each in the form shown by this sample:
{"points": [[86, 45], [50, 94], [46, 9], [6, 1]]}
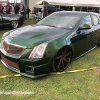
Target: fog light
{"points": [[29, 70]]}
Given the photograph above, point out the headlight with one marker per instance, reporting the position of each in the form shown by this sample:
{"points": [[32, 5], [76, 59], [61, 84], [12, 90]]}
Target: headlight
{"points": [[38, 51]]}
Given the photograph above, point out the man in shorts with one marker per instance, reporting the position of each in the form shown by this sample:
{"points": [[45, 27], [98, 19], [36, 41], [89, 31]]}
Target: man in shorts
{"points": [[1, 8], [8, 9]]}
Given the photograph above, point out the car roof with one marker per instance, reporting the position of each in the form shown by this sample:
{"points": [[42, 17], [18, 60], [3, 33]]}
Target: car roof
{"points": [[78, 12]]}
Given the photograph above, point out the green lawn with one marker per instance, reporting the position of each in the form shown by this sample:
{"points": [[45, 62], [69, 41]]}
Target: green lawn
{"points": [[68, 86]]}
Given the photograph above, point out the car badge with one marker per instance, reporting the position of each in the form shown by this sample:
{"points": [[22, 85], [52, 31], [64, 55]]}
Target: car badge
{"points": [[7, 48]]}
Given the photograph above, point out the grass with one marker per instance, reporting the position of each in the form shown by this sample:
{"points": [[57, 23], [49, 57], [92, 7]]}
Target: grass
{"points": [[69, 86]]}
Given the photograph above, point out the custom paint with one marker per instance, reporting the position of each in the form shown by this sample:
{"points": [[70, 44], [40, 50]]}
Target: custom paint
{"points": [[80, 43]]}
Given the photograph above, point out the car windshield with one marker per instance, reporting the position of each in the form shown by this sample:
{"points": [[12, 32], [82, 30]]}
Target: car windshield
{"points": [[61, 20]]}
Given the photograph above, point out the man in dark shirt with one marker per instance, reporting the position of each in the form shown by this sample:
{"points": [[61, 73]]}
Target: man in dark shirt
{"points": [[45, 12], [27, 11], [1, 8], [8, 9], [16, 9]]}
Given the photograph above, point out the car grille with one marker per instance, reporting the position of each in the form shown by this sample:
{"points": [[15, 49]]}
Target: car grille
{"points": [[10, 63], [12, 49]]}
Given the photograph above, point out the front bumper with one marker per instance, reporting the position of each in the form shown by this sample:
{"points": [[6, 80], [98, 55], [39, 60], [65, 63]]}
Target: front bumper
{"points": [[32, 68]]}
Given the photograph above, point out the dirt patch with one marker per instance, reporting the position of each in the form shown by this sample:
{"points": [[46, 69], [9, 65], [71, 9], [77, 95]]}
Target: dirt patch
{"points": [[97, 71]]}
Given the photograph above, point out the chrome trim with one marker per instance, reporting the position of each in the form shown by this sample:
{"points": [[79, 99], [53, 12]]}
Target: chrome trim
{"points": [[13, 44], [4, 52]]}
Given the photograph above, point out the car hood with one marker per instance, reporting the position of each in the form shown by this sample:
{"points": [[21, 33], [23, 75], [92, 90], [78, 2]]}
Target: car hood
{"points": [[35, 35], [11, 16]]}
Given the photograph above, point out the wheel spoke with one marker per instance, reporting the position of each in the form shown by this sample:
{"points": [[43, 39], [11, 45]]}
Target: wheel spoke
{"points": [[63, 64], [67, 54], [69, 57], [62, 52], [59, 57], [65, 51], [65, 60], [59, 63]]}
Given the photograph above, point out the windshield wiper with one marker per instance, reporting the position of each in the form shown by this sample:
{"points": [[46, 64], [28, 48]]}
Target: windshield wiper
{"points": [[47, 25]]}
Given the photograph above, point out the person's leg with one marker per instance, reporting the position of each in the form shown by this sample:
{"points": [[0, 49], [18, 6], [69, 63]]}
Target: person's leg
{"points": [[27, 15], [23, 17]]}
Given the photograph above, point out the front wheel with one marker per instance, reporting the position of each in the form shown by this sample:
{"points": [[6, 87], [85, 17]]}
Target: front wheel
{"points": [[14, 24], [62, 59]]}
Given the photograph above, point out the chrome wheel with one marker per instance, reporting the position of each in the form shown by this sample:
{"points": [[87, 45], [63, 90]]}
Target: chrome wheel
{"points": [[62, 59], [14, 24]]}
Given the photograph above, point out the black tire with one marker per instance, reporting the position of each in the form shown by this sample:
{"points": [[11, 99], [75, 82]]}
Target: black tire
{"points": [[61, 59], [14, 24]]}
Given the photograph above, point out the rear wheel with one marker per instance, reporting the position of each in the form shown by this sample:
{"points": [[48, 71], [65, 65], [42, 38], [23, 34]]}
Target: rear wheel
{"points": [[62, 59], [14, 24]]}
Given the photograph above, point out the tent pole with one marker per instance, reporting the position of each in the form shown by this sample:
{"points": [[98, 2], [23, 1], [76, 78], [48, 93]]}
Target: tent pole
{"points": [[73, 8], [56, 8], [87, 9], [80, 8], [99, 10], [43, 9], [36, 9]]}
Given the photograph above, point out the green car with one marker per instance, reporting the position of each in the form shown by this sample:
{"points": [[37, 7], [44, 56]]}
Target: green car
{"points": [[50, 44]]}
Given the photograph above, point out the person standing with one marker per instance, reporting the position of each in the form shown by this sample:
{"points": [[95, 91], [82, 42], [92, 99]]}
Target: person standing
{"points": [[1, 8], [28, 11], [16, 9], [45, 12], [22, 10], [8, 9]]}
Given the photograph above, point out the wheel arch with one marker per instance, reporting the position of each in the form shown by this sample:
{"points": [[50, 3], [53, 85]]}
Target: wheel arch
{"points": [[69, 46]]}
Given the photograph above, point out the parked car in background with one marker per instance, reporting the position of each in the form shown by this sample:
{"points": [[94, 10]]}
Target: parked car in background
{"points": [[50, 44], [10, 21]]}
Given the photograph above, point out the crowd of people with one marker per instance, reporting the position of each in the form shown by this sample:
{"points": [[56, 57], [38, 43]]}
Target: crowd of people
{"points": [[16, 10], [37, 11]]}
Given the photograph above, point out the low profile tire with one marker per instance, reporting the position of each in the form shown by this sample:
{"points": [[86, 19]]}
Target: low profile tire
{"points": [[14, 24], [62, 59]]}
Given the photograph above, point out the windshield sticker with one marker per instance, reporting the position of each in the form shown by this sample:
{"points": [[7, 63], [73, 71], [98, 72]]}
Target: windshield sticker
{"points": [[70, 27], [59, 26]]}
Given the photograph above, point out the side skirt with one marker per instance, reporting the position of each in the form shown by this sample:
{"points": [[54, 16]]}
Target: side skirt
{"points": [[85, 53]]}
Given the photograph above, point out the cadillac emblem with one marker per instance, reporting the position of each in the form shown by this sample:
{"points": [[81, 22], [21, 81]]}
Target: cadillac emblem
{"points": [[7, 48]]}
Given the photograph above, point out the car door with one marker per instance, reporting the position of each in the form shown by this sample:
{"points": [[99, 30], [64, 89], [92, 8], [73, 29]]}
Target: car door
{"points": [[1, 24], [82, 42], [96, 30]]}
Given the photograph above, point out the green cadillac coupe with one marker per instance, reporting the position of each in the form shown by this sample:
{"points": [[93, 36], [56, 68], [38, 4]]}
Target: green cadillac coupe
{"points": [[50, 44]]}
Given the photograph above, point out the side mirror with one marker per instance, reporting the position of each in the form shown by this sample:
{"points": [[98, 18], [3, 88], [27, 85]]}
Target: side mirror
{"points": [[85, 26]]}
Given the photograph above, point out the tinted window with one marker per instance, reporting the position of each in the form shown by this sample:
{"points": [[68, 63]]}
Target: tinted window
{"points": [[86, 20], [95, 20]]}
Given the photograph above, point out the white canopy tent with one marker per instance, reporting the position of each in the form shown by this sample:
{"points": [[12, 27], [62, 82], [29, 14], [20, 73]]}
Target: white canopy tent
{"points": [[87, 3], [72, 3], [56, 2], [84, 3]]}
